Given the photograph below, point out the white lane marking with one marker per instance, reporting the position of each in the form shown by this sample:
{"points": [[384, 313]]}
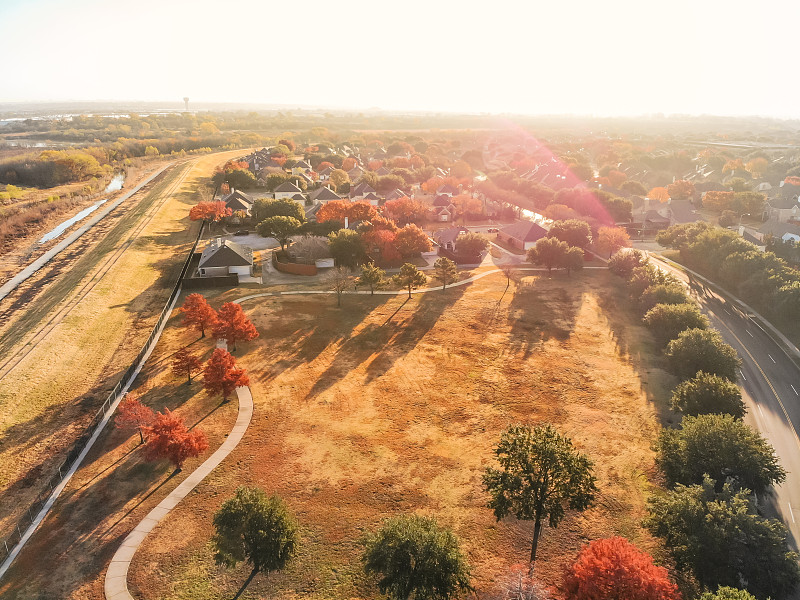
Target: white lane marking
{"points": [[743, 377], [748, 333], [770, 357], [794, 390], [791, 512], [726, 310], [759, 410]]}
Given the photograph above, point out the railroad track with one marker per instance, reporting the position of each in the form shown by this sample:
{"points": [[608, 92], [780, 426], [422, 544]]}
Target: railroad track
{"points": [[11, 361]]}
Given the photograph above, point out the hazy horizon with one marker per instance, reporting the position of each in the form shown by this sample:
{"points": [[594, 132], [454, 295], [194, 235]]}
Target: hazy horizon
{"points": [[621, 58]]}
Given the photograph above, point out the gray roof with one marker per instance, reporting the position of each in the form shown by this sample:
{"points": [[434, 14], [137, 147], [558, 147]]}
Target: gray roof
{"points": [[525, 231], [447, 189], [442, 201], [225, 253], [301, 164], [288, 186], [444, 236], [324, 194], [238, 201], [362, 189], [777, 229]]}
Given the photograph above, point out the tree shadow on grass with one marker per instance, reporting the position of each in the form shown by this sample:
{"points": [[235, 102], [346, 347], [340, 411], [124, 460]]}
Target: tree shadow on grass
{"points": [[543, 309]]}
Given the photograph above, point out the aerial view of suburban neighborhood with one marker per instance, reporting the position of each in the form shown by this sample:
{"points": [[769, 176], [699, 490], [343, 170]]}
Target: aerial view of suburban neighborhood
{"points": [[343, 334]]}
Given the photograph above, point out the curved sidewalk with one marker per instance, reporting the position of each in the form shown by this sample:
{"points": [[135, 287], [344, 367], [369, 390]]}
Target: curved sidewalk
{"points": [[116, 584]]}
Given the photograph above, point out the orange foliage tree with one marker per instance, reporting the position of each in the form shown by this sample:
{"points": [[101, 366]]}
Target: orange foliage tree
{"points": [[383, 241], [733, 165], [680, 189], [337, 210], [185, 363], [718, 201], [757, 166], [792, 180], [467, 205], [461, 170], [616, 178], [348, 163], [374, 165], [434, 183], [133, 415], [197, 313], [603, 181], [221, 376], [168, 437], [417, 161], [411, 240], [658, 193], [611, 239], [615, 568], [232, 324], [209, 211], [325, 165], [404, 210]]}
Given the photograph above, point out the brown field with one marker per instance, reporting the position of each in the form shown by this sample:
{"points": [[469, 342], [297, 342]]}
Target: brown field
{"points": [[387, 406], [114, 290]]}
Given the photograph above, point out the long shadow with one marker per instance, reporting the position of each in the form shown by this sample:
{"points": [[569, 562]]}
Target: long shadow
{"points": [[140, 502], [542, 309]]}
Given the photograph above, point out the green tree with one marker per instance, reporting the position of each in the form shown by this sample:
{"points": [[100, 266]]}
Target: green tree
{"points": [[728, 593], [748, 203], [254, 528], [663, 293], [263, 208], [445, 270], [548, 252], [416, 558], [708, 394], [273, 180], [410, 278], [719, 446], [572, 260], [347, 247], [723, 541], [666, 321], [339, 177], [280, 228], [472, 244], [574, 232], [372, 276], [540, 474], [702, 350], [623, 263]]}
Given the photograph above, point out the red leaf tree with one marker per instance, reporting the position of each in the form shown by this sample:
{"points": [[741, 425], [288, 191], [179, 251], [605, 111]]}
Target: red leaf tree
{"points": [[220, 375], [185, 363], [232, 324], [168, 437], [197, 313], [133, 415], [615, 568], [209, 211]]}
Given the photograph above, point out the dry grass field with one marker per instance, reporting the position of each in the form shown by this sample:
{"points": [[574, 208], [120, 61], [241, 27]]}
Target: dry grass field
{"points": [[50, 395], [388, 406]]}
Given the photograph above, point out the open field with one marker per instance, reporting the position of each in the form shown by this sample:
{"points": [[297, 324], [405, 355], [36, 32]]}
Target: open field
{"points": [[381, 407], [70, 343]]}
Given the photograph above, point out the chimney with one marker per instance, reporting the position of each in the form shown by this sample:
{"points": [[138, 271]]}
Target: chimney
{"points": [[646, 206], [346, 223]]}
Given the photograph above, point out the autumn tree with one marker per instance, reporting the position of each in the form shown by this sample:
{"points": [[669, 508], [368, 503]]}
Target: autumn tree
{"points": [[209, 211], [347, 164], [417, 558], [255, 528], [572, 260], [338, 178], [549, 252], [411, 241], [719, 446], [718, 200], [624, 262], [133, 415], [197, 313], [575, 232], [232, 324], [410, 278], [404, 210], [612, 239], [612, 568], [702, 350], [658, 193], [168, 437], [372, 277], [445, 271], [728, 593], [221, 376], [540, 475], [707, 394], [681, 189], [472, 244], [339, 280], [280, 228], [185, 363]]}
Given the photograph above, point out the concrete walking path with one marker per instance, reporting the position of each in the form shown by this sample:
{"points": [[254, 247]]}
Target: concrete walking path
{"points": [[116, 583], [45, 258]]}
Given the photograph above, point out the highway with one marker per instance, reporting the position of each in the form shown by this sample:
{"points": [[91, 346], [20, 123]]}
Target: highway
{"points": [[770, 382]]}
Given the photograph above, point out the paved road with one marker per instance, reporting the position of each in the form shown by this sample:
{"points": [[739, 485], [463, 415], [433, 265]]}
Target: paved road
{"points": [[770, 383]]}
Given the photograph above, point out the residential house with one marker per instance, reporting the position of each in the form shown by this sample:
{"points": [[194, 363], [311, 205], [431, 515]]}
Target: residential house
{"points": [[395, 194], [286, 190], [301, 167], [522, 234], [325, 174], [447, 190], [382, 172], [359, 191], [355, 173], [323, 195], [223, 257], [238, 201], [783, 204], [372, 198], [448, 238], [443, 208], [786, 231]]}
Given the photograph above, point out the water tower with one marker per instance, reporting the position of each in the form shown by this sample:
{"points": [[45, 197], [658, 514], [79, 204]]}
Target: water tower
{"points": [[186, 103]]}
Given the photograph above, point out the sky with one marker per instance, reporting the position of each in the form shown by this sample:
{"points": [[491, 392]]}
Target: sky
{"points": [[605, 58]]}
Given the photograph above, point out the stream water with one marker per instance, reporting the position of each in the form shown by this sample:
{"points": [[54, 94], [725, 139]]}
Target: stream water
{"points": [[116, 184]]}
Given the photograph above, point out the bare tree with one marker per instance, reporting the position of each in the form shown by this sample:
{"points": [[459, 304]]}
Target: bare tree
{"points": [[310, 247], [338, 280]]}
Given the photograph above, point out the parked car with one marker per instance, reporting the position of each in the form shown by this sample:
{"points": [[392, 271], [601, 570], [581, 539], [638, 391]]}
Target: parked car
{"points": [[242, 232], [492, 230]]}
